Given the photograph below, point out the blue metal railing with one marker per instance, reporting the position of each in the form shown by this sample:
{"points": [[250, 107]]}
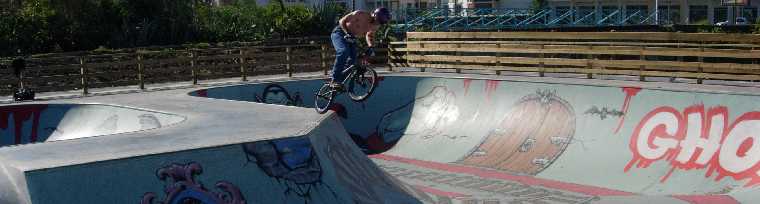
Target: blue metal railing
{"points": [[445, 19]]}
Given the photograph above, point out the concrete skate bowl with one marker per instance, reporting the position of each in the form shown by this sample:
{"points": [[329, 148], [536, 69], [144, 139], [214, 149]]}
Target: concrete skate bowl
{"points": [[30, 123], [463, 140]]}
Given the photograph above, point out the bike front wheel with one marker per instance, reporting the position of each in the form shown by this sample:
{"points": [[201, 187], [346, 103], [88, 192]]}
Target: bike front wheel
{"points": [[323, 98], [361, 84]]}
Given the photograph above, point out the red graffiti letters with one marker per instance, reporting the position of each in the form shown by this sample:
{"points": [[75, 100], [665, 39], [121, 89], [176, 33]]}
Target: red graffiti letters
{"points": [[695, 139]]}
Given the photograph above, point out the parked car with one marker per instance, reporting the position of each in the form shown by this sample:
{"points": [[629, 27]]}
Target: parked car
{"points": [[739, 21]]}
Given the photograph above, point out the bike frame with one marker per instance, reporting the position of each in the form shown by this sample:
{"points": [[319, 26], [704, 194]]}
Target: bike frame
{"points": [[356, 66]]}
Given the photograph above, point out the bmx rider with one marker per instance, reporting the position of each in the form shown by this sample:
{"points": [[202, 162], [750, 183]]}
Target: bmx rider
{"points": [[343, 38]]}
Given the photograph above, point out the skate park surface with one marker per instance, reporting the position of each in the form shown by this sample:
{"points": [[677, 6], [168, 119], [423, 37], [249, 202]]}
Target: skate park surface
{"points": [[420, 138]]}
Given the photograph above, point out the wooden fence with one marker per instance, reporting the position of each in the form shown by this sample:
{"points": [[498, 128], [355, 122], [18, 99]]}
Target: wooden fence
{"points": [[682, 55], [143, 66]]}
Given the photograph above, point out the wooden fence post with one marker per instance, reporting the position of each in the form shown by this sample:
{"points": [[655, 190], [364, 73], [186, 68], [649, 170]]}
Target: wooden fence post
{"points": [[590, 66], [421, 62], [140, 70], [459, 59], [541, 62], [499, 54], [678, 58], [83, 74], [406, 55], [242, 62], [287, 62], [642, 67], [253, 63], [390, 57], [701, 60], [193, 70], [323, 58]]}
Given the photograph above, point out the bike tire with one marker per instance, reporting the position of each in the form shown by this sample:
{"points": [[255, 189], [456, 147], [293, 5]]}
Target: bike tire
{"points": [[366, 80], [323, 98]]}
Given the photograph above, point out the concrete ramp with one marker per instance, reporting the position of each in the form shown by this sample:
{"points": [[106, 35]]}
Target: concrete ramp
{"points": [[319, 164], [30, 123], [458, 140]]}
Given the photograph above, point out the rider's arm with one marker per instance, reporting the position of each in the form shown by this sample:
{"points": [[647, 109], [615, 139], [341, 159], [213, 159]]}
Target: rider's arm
{"points": [[370, 38], [343, 22]]}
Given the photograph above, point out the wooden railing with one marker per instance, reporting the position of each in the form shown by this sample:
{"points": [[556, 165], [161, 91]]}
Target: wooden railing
{"points": [[143, 66], [677, 55]]}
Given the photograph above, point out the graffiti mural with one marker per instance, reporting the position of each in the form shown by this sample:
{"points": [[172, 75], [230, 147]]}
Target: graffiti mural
{"points": [[276, 94], [18, 115], [183, 188], [604, 112], [531, 136], [108, 126], [630, 92], [698, 138], [432, 111], [148, 121], [291, 161]]}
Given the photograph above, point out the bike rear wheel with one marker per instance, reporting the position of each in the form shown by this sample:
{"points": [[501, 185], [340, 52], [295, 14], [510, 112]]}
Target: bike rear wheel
{"points": [[323, 98], [361, 84]]}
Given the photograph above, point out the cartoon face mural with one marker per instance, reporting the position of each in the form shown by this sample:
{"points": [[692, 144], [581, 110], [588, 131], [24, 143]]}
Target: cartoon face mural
{"points": [[533, 134], [291, 159], [276, 94], [292, 162], [182, 188]]}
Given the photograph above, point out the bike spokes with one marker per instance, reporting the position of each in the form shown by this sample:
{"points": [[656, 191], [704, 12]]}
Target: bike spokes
{"points": [[361, 84]]}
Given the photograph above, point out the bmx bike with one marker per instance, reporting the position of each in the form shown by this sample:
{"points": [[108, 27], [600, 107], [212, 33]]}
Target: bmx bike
{"points": [[359, 83]]}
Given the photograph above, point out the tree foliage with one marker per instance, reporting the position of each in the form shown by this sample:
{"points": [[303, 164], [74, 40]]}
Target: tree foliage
{"points": [[50, 26]]}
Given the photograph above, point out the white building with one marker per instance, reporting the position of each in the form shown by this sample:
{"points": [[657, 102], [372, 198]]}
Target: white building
{"points": [[675, 11]]}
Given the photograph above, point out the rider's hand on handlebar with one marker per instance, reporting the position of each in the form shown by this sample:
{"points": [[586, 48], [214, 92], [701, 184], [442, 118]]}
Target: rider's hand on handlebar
{"points": [[370, 51]]}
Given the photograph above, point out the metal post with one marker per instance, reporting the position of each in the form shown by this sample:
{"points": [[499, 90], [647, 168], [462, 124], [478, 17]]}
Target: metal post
{"points": [[656, 12]]}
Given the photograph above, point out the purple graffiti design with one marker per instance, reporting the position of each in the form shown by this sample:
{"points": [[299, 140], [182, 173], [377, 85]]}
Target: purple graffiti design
{"points": [[184, 189]]}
